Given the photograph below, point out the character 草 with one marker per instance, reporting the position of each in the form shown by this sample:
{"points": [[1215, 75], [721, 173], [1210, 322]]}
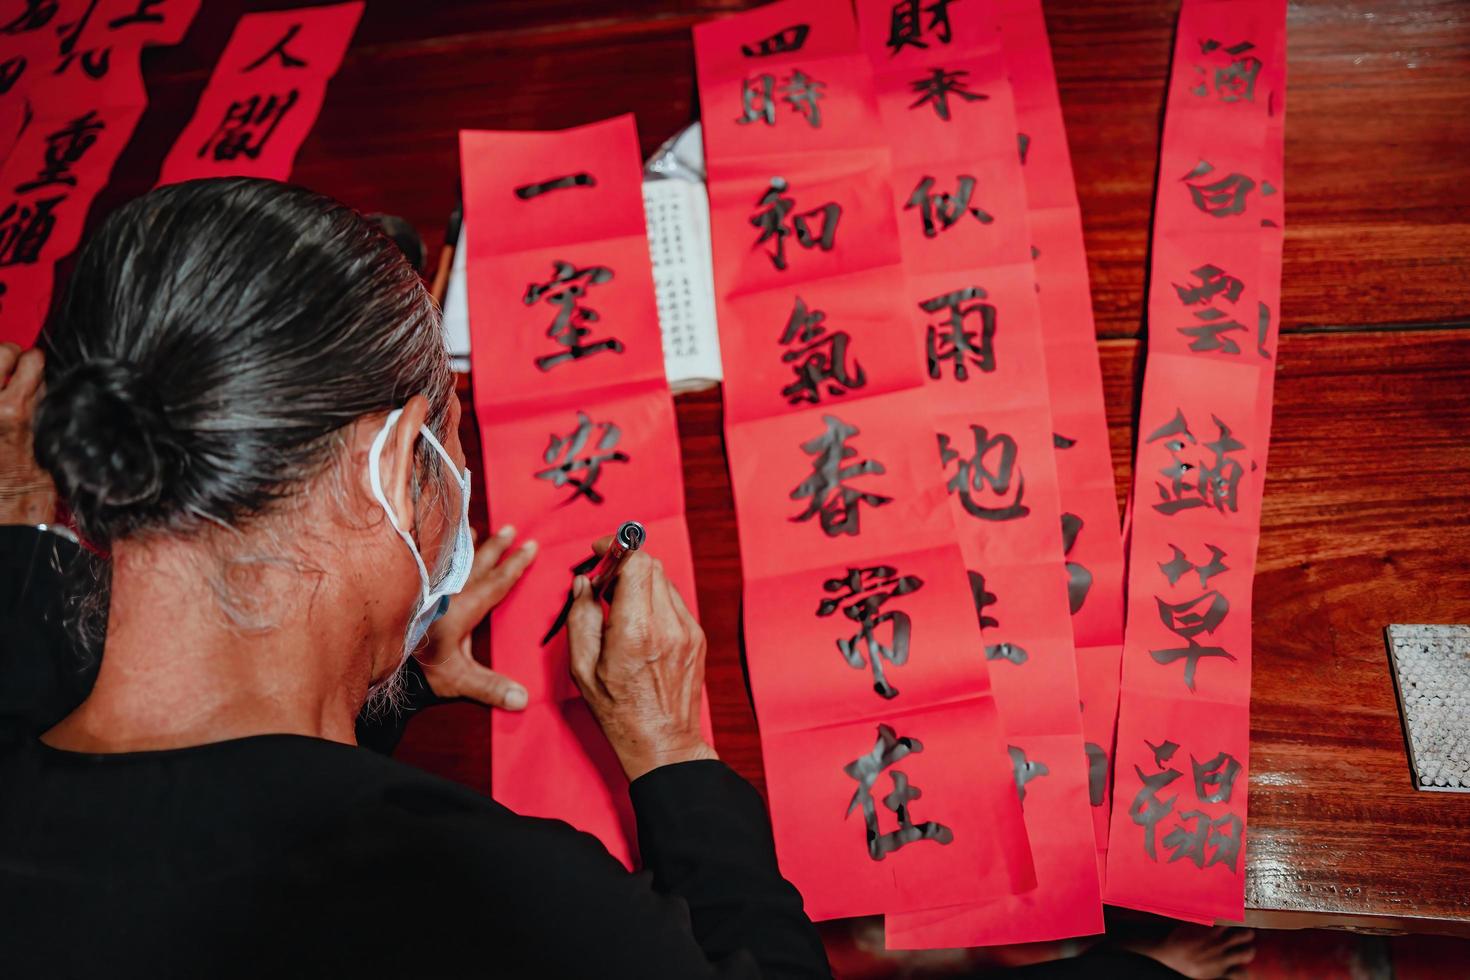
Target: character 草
{"points": [[866, 769], [862, 593]]}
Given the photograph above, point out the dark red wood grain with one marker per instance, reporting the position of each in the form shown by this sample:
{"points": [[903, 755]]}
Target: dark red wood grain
{"points": [[1365, 520]]}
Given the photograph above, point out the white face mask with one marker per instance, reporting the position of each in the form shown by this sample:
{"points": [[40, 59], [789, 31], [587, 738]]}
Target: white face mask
{"points": [[433, 596]]}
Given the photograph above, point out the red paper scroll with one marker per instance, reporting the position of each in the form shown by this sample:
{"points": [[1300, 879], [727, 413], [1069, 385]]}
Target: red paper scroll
{"points": [[1178, 829], [971, 301], [71, 94], [890, 786], [264, 95], [1089, 500], [578, 430]]}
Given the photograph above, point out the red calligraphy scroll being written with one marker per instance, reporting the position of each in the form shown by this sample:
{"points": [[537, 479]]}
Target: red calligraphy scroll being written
{"points": [[1178, 833], [578, 431], [890, 785], [264, 95], [71, 94], [971, 300]]}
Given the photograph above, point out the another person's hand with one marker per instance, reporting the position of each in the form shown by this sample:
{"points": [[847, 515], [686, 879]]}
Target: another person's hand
{"points": [[448, 663], [1201, 952], [27, 495], [642, 671]]}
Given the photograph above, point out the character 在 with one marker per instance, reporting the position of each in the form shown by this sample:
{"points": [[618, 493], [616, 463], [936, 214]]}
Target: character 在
{"points": [[64, 150], [889, 750], [564, 291], [935, 88], [911, 23], [830, 499], [941, 211], [577, 458], [1232, 71], [952, 339], [861, 595], [1211, 482], [280, 52], [247, 127], [776, 221], [818, 357], [990, 467]]}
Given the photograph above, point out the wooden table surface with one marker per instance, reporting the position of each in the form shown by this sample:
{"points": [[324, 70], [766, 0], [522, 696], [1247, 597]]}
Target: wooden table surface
{"points": [[1364, 520]]}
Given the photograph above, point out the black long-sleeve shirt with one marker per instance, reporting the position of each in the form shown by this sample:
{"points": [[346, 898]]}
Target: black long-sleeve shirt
{"points": [[291, 856]]}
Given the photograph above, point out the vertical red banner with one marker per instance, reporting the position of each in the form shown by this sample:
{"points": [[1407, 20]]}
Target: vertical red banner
{"points": [[1181, 779], [971, 302], [71, 94], [890, 785], [578, 430], [264, 95], [1090, 535]]}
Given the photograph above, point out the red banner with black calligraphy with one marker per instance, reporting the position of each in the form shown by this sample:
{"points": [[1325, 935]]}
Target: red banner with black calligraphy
{"points": [[1181, 779]]}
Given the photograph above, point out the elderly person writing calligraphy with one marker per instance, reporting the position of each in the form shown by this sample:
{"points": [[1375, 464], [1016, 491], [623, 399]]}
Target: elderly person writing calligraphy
{"points": [[249, 410]]}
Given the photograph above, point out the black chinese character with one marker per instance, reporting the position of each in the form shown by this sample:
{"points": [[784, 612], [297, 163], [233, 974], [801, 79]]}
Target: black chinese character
{"points": [[992, 465], [143, 15], [1097, 774], [950, 341], [1236, 81], [758, 98], [1216, 485], [816, 228], [1224, 835], [982, 598], [866, 770], [836, 503], [1079, 578], [1214, 780], [94, 62], [565, 454], [527, 191], [278, 50], [247, 127], [11, 70], [906, 27], [936, 88], [820, 358], [1211, 333], [1025, 770], [64, 148], [564, 290], [869, 589], [25, 229], [1147, 809], [1179, 566], [1187, 620], [36, 15], [1222, 197], [1009, 652], [784, 41], [583, 567], [948, 208]]}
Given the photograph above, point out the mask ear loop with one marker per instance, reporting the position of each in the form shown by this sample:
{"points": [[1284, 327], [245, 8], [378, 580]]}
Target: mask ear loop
{"points": [[463, 483], [375, 479]]}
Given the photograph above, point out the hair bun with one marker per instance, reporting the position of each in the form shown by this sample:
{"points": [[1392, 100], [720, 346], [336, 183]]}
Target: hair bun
{"points": [[102, 433]]}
